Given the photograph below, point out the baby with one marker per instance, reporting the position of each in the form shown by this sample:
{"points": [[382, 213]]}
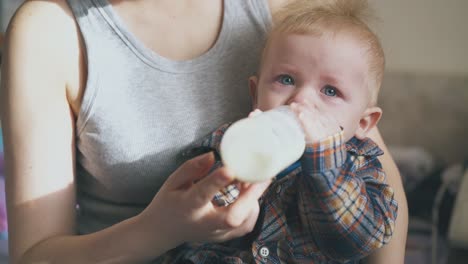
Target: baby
{"points": [[333, 204]]}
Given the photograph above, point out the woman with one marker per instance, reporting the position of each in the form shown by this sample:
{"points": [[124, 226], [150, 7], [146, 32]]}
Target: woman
{"points": [[98, 98]]}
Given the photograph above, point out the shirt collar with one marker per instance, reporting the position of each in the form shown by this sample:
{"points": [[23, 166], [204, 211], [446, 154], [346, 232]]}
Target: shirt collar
{"points": [[364, 147]]}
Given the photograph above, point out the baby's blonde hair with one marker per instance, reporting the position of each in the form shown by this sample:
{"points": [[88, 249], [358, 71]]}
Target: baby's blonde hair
{"points": [[334, 16]]}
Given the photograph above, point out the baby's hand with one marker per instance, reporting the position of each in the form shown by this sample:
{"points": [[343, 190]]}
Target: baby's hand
{"points": [[255, 112], [317, 125]]}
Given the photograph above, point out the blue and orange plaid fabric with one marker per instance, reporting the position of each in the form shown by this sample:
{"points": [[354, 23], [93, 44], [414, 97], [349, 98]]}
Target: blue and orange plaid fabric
{"points": [[333, 208]]}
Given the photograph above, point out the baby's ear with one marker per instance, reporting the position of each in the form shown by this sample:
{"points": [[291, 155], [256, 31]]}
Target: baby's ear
{"points": [[253, 84], [369, 120]]}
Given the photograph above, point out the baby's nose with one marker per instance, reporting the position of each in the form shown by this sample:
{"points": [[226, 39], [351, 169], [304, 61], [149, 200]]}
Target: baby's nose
{"points": [[303, 96]]}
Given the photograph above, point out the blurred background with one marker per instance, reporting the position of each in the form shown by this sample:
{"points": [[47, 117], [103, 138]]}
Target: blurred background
{"points": [[425, 121], [7, 8]]}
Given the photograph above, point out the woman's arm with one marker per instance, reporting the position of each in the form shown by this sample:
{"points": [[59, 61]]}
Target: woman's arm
{"points": [[39, 129], [394, 252]]}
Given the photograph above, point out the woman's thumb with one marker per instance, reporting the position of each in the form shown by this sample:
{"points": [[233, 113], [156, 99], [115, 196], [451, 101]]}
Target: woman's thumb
{"points": [[191, 171]]}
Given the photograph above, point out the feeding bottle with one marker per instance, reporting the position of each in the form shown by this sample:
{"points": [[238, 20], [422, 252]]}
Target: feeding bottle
{"points": [[257, 148]]}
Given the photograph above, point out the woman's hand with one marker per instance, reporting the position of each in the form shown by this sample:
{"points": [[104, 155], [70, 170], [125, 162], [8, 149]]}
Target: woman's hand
{"points": [[184, 212]]}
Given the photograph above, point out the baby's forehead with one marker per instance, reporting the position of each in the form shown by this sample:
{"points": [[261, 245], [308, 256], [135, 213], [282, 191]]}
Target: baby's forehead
{"points": [[341, 47], [333, 38]]}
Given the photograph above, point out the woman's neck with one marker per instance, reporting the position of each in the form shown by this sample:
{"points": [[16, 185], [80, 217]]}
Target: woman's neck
{"points": [[178, 30]]}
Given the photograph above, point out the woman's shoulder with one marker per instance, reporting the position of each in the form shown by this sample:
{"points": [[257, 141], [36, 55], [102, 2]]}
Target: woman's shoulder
{"points": [[44, 36], [46, 15], [45, 25]]}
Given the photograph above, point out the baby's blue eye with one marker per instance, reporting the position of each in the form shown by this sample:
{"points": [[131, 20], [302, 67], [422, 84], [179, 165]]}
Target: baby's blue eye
{"points": [[286, 79], [329, 90]]}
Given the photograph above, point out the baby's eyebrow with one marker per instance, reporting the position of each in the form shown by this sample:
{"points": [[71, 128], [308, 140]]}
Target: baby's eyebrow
{"points": [[286, 67], [331, 79]]}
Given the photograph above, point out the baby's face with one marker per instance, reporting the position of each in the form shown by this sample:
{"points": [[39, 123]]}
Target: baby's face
{"points": [[329, 72]]}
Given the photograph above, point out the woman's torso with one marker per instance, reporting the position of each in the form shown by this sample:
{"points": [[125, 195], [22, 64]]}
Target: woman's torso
{"points": [[140, 110]]}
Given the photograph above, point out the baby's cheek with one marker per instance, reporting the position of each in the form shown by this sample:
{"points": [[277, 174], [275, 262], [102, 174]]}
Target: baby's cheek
{"points": [[349, 131]]}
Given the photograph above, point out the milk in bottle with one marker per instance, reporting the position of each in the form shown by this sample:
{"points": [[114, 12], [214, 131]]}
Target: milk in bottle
{"points": [[259, 147]]}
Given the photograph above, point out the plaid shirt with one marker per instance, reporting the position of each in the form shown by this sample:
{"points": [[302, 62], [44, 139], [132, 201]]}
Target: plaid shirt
{"points": [[332, 206]]}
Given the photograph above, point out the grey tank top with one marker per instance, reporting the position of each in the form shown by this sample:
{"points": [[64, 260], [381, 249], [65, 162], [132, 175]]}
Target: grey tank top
{"points": [[141, 110]]}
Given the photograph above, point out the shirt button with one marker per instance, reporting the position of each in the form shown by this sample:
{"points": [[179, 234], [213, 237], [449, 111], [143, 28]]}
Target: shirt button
{"points": [[264, 252]]}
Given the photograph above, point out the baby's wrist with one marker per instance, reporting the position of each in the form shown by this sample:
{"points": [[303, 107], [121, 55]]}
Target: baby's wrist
{"points": [[327, 154]]}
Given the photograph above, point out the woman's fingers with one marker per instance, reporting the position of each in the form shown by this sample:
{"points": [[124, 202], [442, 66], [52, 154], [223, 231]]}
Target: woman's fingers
{"points": [[186, 199], [191, 171], [205, 189], [191, 191], [244, 228], [239, 211], [236, 219]]}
